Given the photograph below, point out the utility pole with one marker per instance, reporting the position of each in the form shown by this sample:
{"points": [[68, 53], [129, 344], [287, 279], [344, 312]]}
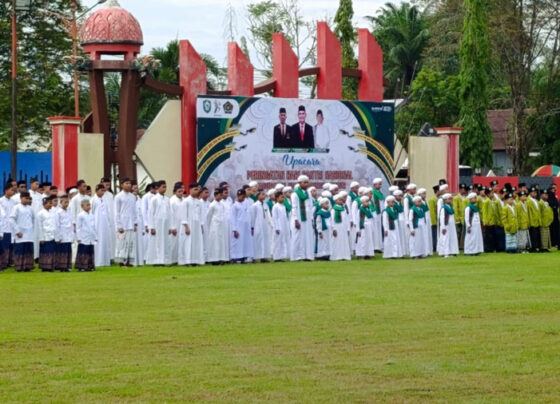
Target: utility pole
{"points": [[14, 91]]}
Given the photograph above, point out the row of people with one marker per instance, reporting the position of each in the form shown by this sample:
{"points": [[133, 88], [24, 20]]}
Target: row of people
{"points": [[302, 223]]}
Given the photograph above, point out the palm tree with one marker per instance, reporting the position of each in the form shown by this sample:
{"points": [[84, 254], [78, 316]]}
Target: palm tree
{"points": [[402, 33]]}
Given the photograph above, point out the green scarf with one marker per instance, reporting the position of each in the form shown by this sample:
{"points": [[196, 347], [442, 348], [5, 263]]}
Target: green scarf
{"points": [[364, 212], [377, 196], [303, 196], [337, 215], [353, 196], [425, 207], [398, 207], [373, 208], [473, 207], [418, 214], [288, 206], [270, 205], [324, 214], [316, 204], [253, 197], [448, 209], [393, 215], [410, 201]]}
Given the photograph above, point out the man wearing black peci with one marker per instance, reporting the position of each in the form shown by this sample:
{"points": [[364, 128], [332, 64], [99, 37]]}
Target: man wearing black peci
{"points": [[302, 132], [282, 135]]}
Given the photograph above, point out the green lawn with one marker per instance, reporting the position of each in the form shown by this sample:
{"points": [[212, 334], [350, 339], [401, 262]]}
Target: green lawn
{"points": [[484, 329]]}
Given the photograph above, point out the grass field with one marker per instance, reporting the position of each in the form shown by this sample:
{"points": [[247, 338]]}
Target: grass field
{"points": [[483, 329]]}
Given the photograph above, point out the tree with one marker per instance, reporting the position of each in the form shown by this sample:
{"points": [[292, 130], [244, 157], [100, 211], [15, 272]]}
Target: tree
{"points": [[346, 34], [44, 82], [476, 139], [434, 98], [402, 33]]}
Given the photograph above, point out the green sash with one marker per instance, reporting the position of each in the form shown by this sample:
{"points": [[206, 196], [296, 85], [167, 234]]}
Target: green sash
{"points": [[353, 196], [303, 196], [288, 206], [253, 197], [425, 207], [393, 215], [324, 214], [364, 212], [377, 196], [270, 205], [418, 214], [398, 207], [337, 213], [473, 207], [448, 209]]}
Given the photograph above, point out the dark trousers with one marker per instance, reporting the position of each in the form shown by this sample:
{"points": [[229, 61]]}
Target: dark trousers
{"points": [[500, 239], [535, 236], [434, 237], [490, 238], [460, 235]]}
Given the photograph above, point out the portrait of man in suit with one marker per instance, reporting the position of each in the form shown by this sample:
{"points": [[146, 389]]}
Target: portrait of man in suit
{"points": [[282, 135], [302, 132]]}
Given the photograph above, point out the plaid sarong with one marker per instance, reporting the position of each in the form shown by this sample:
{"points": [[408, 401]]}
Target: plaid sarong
{"points": [[511, 242], [523, 240], [545, 238]]}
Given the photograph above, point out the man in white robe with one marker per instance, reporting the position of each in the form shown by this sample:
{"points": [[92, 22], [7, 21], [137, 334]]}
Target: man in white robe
{"points": [[301, 223], [176, 204], [151, 191], [417, 225], [140, 228], [191, 241], [281, 227], [340, 246], [260, 227], [103, 226], [76, 201], [37, 206], [474, 243], [217, 229], [391, 239], [109, 199], [379, 203], [159, 224], [448, 244], [205, 205], [126, 222], [241, 241]]}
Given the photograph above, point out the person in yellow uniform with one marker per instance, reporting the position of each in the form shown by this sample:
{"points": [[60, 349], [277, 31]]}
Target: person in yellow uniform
{"points": [[534, 212], [510, 223], [547, 216], [499, 205], [523, 239], [432, 204], [460, 213], [488, 220]]}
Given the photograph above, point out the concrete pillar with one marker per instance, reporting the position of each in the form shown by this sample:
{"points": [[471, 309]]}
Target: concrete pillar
{"points": [[452, 135], [240, 72], [370, 62], [284, 68], [65, 150], [192, 77], [329, 60]]}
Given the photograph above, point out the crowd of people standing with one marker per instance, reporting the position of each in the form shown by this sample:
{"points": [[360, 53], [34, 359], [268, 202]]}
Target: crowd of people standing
{"points": [[88, 228]]}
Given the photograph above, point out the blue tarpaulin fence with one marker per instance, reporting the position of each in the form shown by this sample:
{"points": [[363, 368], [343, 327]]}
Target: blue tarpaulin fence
{"points": [[30, 164]]}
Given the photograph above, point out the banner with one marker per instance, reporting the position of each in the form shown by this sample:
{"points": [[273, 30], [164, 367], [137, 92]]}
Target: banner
{"points": [[274, 140]]}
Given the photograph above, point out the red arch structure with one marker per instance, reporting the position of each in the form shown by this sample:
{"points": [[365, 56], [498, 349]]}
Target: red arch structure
{"points": [[192, 83]]}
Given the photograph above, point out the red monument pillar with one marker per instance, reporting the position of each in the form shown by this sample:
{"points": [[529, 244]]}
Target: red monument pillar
{"points": [[240, 72], [370, 62], [285, 67], [329, 60], [65, 131], [452, 156]]}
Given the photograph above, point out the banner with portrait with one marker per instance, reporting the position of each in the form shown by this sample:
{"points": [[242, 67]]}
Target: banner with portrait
{"points": [[274, 140]]}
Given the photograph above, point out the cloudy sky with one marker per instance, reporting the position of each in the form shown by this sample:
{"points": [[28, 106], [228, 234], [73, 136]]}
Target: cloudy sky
{"points": [[202, 21]]}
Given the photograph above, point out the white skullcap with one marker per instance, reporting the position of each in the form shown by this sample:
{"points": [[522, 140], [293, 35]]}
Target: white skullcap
{"points": [[362, 190], [447, 196], [279, 187], [326, 186], [343, 193], [354, 184], [297, 186], [390, 198], [377, 181], [472, 195], [417, 199], [311, 189], [422, 191], [323, 201], [270, 192], [393, 188], [398, 192], [410, 187], [73, 191], [338, 196], [253, 184], [333, 187], [302, 178], [364, 199], [286, 189], [443, 187], [326, 194]]}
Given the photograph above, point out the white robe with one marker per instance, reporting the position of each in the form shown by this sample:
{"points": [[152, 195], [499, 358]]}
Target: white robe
{"points": [[324, 236], [429, 244], [260, 224], [191, 246], [403, 236], [364, 244], [340, 246], [378, 227], [126, 218], [109, 199], [447, 243], [240, 222], [417, 242], [217, 229], [22, 219], [64, 226], [145, 204], [37, 206], [140, 234], [103, 225], [474, 243], [303, 239], [281, 236], [159, 220], [205, 206], [392, 241], [177, 208]]}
